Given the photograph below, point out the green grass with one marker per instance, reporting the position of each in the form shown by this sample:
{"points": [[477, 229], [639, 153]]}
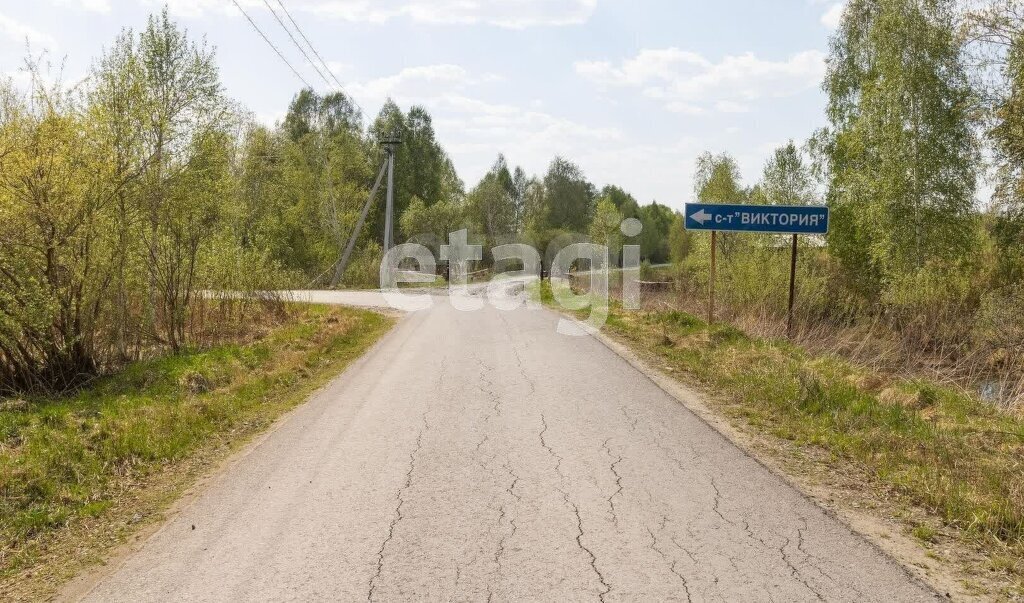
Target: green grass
{"points": [[67, 460], [939, 449]]}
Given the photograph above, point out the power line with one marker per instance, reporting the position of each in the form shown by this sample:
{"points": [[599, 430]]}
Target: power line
{"points": [[296, 42], [310, 44], [271, 44]]}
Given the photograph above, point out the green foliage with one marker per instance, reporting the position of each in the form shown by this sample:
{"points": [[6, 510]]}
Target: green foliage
{"points": [[121, 203], [604, 229], [901, 153], [568, 197], [364, 270], [786, 180], [423, 169], [492, 208], [680, 241], [431, 225], [999, 328], [999, 31], [624, 202], [717, 179], [330, 115], [654, 239], [647, 273]]}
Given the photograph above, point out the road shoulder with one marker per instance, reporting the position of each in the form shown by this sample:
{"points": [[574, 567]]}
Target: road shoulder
{"points": [[841, 501]]}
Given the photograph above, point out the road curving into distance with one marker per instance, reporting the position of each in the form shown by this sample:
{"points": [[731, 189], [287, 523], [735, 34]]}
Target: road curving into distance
{"points": [[478, 456]]}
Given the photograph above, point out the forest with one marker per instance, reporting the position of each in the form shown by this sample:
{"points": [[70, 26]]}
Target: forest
{"points": [[125, 197]]}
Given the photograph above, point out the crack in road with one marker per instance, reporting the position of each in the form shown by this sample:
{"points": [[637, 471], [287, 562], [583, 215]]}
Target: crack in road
{"points": [[397, 513], [717, 501], [487, 388], [745, 524], [418, 475], [583, 547], [576, 510], [618, 481], [632, 420], [671, 561], [716, 508], [515, 481], [543, 442], [519, 359], [810, 560], [794, 571]]}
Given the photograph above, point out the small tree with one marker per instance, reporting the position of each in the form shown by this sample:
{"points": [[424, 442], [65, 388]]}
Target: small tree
{"points": [[604, 229], [786, 180], [569, 197]]}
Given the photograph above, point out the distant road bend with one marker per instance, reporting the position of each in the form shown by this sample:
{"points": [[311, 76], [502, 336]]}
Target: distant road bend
{"points": [[479, 456]]}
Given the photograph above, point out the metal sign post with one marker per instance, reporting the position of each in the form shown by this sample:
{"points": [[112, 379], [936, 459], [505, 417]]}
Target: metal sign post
{"points": [[792, 288], [711, 281], [772, 219]]}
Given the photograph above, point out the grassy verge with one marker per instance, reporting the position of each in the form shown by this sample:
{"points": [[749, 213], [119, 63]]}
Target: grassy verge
{"points": [[933, 448], [78, 474]]}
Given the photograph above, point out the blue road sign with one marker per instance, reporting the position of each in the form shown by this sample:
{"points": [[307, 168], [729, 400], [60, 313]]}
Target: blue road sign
{"points": [[778, 219]]}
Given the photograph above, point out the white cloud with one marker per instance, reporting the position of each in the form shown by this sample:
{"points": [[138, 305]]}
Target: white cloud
{"points": [[95, 6], [731, 107], [338, 68], [502, 13], [442, 89], [415, 84], [503, 124], [648, 65], [20, 32], [475, 131], [684, 108], [833, 16], [511, 14], [687, 82]]}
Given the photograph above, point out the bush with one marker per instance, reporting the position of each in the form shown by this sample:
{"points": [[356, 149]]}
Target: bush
{"points": [[647, 273], [364, 270], [999, 327], [930, 306]]}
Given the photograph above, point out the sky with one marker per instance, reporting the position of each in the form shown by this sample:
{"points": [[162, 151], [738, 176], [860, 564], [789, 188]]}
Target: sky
{"points": [[631, 90]]}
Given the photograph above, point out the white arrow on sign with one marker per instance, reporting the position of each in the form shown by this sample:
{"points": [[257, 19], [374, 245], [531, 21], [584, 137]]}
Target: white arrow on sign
{"points": [[701, 216]]}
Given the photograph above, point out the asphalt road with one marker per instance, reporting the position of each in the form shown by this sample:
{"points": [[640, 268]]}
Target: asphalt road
{"points": [[477, 456]]}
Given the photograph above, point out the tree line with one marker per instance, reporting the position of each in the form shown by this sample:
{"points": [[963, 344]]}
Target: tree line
{"points": [[548, 211], [125, 196]]}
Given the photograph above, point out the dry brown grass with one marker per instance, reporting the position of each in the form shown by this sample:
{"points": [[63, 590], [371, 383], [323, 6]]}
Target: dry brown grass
{"points": [[873, 343]]}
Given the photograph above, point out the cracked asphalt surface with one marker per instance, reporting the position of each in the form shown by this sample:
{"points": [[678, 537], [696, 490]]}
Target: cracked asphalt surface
{"points": [[477, 456]]}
